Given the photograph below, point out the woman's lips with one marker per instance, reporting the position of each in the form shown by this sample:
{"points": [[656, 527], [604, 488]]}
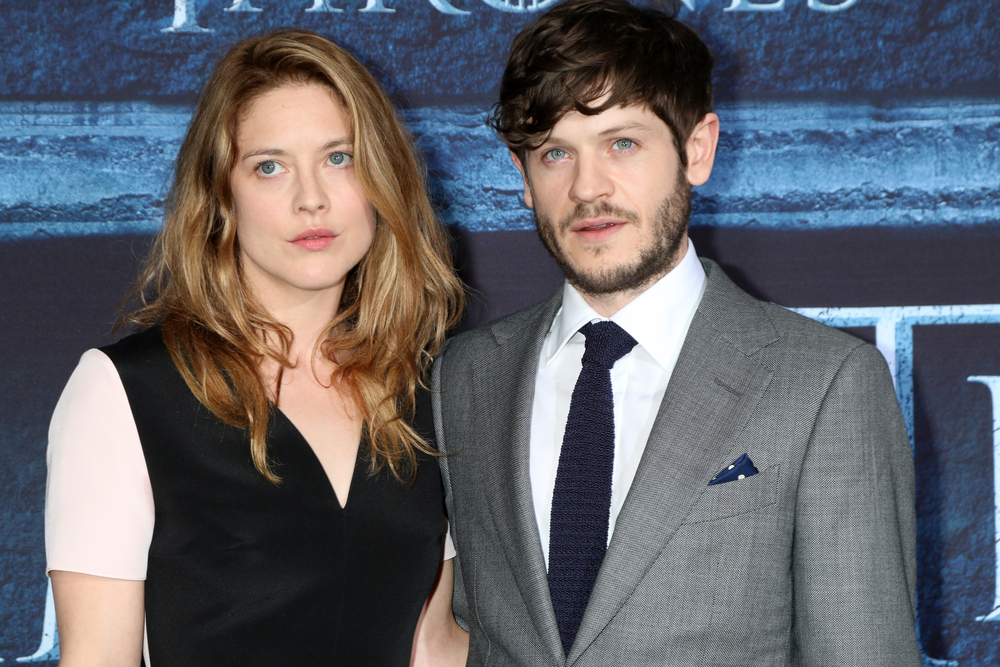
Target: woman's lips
{"points": [[314, 239]]}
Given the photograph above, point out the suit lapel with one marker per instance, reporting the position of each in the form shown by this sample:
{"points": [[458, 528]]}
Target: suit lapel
{"points": [[503, 393], [714, 387]]}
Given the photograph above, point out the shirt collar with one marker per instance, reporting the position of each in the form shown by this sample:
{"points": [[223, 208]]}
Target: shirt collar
{"points": [[657, 319]]}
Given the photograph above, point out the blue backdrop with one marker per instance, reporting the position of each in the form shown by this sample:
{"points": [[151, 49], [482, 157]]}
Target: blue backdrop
{"points": [[856, 179]]}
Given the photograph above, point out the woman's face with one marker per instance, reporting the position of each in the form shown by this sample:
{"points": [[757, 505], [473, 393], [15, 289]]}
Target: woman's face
{"points": [[302, 220]]}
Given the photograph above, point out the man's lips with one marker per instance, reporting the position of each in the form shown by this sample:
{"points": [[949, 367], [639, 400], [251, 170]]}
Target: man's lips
{"points": [[588, 224], [314, 239], [595, 230]]}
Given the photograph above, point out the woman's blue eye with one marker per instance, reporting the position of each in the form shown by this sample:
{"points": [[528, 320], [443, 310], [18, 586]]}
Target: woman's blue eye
{"points": [[268, 168], [556, 154], [340, 159], [624, 144]]}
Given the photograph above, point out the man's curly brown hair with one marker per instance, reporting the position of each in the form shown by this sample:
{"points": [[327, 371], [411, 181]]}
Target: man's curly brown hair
{"points": [[581, 51]]}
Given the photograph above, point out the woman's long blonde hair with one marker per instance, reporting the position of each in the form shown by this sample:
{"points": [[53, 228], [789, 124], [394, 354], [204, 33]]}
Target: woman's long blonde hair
{"points": [[397, 304]]}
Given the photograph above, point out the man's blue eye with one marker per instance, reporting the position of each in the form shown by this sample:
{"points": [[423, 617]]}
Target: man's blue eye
{"points": [[340, 159], [624, 144], [556, 154], [268, 168]]}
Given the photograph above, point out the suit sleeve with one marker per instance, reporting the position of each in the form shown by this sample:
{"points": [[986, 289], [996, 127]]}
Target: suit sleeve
{"points": [[459, 602], [854, 563]]}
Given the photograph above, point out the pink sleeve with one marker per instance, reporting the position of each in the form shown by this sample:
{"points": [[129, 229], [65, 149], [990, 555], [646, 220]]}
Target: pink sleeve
{"points": [[98, 502]]}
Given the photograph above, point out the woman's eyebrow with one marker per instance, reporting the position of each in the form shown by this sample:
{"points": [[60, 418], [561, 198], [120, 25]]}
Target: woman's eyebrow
{"points": [[265, 151], [337, 143], [278, 152]]}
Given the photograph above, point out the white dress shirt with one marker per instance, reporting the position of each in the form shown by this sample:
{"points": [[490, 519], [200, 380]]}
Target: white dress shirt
{"points": [[658, 319]]}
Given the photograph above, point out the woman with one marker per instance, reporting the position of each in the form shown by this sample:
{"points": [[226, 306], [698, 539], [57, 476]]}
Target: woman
{"points": [[241, 476]]}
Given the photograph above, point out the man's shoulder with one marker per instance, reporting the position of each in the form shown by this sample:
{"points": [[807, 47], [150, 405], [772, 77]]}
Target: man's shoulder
{"points": [[772, 331], [483, 339], [809, 352], [799, 331]]}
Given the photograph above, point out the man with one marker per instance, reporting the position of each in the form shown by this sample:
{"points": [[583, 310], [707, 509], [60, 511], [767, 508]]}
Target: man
{"points": [[651, 467]]}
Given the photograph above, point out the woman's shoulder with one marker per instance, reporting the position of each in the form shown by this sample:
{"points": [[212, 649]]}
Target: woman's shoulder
{"points": [[139, 352], [139, 344], [95, 380]]}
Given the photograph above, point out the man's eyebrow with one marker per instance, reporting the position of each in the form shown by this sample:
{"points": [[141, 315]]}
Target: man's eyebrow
{"points": [[626, 127], [611, 131], [339, 142]]}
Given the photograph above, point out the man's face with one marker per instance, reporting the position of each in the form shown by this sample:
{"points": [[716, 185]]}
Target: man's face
{"points": [[610, 198]]}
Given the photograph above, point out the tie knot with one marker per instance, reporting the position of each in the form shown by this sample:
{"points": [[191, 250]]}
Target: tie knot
{"points": [[606, 343]]}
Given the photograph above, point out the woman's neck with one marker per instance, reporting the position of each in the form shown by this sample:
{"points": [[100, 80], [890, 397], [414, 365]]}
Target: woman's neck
{"points": [[307, 314]]}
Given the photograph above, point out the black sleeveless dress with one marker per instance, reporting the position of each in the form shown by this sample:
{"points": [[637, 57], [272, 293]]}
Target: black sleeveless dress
{"points": [[244, 572]]}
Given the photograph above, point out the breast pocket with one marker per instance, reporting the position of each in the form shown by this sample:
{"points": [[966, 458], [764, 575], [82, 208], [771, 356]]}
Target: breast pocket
{"points": [[740, 496]]}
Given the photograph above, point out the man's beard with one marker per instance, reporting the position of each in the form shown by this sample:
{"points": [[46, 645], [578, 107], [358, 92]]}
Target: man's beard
{"points": [[656, 258]]}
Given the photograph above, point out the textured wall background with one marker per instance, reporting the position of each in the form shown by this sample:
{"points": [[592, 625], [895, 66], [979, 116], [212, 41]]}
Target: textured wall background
{"points": [[858, 167], [113, 49]]}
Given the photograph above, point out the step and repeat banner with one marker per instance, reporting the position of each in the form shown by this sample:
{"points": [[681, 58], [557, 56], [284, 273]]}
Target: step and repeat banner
{"points": [[856, 181]]}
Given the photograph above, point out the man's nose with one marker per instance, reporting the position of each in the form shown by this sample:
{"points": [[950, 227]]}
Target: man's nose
{"points": [[590, 181]]}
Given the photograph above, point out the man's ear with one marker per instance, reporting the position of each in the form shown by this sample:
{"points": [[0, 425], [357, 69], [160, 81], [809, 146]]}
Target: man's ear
{"points": [[524, 176], [701, 149]]}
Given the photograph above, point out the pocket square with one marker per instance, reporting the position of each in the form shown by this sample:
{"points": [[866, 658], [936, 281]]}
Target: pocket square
{"points": [[738, 469]]}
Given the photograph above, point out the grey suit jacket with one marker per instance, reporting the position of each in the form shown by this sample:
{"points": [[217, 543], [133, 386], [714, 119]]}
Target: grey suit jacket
{"points": [[809, 562]]}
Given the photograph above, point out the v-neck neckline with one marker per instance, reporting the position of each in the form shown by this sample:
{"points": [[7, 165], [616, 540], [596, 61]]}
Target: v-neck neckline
{"points": [[342, 505]]}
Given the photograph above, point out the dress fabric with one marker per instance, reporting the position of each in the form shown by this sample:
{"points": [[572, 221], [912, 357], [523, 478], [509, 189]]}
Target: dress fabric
{"points": [[244, 572]]}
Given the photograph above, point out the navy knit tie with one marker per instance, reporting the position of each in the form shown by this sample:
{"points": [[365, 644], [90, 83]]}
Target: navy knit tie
{"points": [[581, 501]]}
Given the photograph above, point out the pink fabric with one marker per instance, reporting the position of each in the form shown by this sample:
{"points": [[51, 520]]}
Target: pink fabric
{"points": [[98, 502]]}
